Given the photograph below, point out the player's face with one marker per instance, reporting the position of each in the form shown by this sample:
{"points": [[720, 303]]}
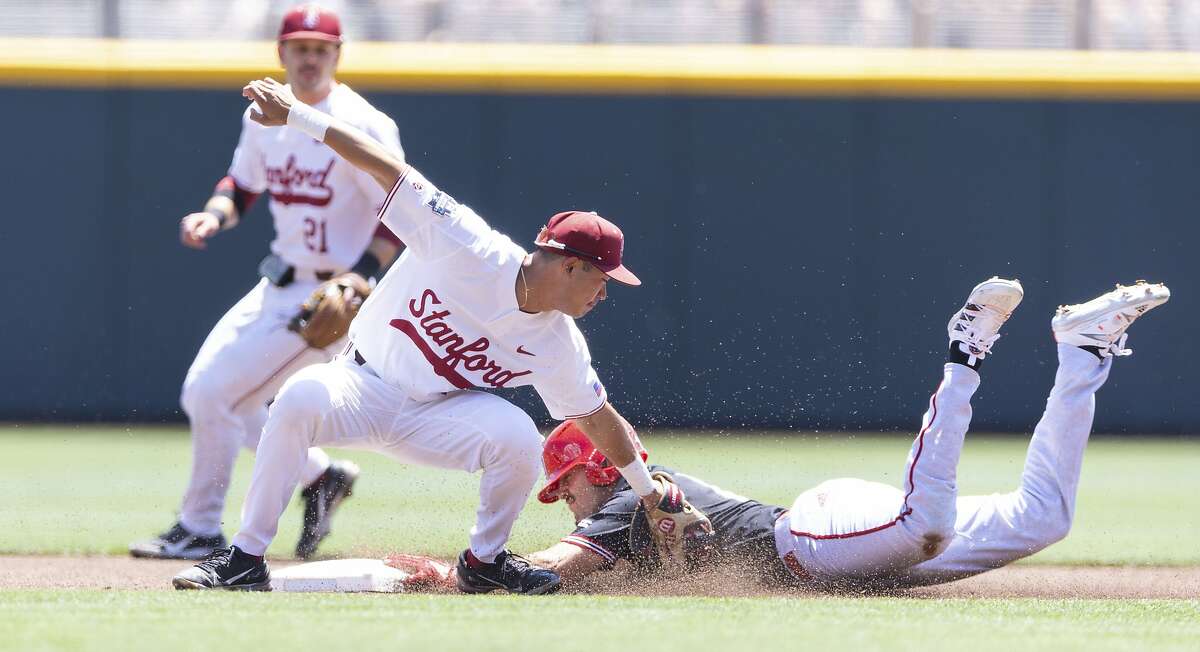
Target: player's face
{"points": [[310, 64], [582, 497], [584, 287]]}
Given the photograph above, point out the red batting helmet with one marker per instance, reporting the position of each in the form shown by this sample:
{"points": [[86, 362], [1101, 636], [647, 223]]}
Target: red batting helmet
{"points": [[568, 447]]}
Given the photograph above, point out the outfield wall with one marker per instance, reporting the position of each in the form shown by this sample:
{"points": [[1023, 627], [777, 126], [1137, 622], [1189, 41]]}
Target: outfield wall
{"points": [[804, 230]]}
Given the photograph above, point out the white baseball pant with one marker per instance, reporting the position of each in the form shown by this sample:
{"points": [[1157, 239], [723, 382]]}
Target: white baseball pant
{"points": [[241, 365], [344, 404], [850, 532]]}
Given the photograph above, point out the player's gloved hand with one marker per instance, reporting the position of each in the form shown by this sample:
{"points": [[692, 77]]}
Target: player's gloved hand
{"points": [[423, 572], [325, 315], [196, 228], [682, 534]]}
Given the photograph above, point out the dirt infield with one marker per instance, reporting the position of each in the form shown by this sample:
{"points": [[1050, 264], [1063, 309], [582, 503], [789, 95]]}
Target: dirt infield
{"points": [[32, 572]]}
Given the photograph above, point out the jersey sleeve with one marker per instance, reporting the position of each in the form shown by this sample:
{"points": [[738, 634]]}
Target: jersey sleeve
{"points": [[430, 222], [249, 168], [573, 389], [606, 533]]}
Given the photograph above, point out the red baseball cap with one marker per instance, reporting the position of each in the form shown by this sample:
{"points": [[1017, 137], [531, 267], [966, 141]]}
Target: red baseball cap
{"points": [[589, 237], [311, 21]]}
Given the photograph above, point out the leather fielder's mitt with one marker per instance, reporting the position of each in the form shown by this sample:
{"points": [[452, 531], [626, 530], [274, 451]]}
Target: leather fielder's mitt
{"points": [[325, 315], [682, 535]]}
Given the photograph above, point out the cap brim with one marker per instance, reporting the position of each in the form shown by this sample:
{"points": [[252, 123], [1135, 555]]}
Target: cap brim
{"points": [[621, 274], [316, 36], [546, 495]]}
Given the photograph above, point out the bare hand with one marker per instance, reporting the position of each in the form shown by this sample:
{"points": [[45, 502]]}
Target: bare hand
{"points": [[424, 572], [196, 228], [273, 101]]}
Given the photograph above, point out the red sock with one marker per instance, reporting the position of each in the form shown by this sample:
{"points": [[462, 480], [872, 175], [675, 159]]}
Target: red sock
{"points": [[474, 561]]}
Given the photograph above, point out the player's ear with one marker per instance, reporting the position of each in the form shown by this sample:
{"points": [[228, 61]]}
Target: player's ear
{"points": [[279, 51], [571, 265]]}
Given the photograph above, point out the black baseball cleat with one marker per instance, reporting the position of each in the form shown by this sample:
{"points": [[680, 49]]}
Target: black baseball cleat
{"points": [[228, 568], [178, 543], [321, 500], [512, 573]]}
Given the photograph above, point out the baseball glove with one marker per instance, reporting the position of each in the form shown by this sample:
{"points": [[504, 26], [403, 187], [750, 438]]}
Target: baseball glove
{"points": [[325, 315], [681, 534]]}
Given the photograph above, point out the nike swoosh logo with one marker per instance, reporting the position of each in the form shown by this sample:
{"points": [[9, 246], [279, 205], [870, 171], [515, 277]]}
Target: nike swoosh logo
{"points": [[522, 351], [491, 581], [237, 577], [178, 546]]}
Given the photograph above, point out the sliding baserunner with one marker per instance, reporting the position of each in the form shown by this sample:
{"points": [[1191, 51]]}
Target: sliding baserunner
{"points": [[850, 533]]}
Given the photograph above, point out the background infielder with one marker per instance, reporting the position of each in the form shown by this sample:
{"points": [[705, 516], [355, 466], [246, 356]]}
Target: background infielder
{"points": [[853, 534], [326, 232], [464, 308]]}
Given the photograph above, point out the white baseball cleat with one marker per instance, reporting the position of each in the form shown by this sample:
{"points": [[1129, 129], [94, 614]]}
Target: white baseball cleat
{"points": [[977, 325], [1102, 322]]}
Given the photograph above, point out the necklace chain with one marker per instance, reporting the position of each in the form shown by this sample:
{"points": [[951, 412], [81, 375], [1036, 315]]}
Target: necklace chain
{"points": [[526, 284]]}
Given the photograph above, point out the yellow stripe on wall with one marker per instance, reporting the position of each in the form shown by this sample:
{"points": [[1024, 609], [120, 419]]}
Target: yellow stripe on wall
{"points": [[620, 69]]}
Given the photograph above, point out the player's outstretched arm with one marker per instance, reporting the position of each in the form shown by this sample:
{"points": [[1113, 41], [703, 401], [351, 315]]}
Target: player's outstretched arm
{"points": [[572, 563], [606, 430], [278, 107]]}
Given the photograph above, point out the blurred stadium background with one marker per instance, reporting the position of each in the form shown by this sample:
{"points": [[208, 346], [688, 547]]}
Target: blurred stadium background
{"points": [[810, 187], [1051, 24]]}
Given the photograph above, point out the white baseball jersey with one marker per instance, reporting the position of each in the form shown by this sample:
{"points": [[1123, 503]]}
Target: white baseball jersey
{"points": [[445, 317], [323, 207]]}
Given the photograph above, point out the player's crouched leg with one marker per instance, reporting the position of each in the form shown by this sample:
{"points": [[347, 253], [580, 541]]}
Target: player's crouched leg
{"points": [[509, 453], [302, 415]]}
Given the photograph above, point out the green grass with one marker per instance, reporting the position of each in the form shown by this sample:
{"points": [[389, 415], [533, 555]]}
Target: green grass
{"points": [[93, 490], [165, 621]]}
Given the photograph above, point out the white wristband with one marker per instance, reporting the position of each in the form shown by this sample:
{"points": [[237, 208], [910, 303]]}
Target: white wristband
{"points": [[638, 477], [309, 120]]}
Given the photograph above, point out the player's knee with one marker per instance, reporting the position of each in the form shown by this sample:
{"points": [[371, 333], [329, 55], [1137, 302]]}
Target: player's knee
{"points": [[1057, 531], [1049, 520], [1053, 527], [936, 534], [303, 398], [203, 393]]}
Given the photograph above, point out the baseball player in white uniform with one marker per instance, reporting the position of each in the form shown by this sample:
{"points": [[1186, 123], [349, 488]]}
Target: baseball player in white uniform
{"points": [[463, 308], [324, 215], [854, 532], [851, 534]]}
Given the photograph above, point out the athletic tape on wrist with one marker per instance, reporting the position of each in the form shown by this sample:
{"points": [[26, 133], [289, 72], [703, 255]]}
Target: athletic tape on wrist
{"points": [[309, 120], [638, 476], [222, 218]]}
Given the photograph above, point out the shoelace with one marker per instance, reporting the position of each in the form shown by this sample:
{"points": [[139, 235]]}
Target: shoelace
{"points": [[176, 533], [218, 557], [1118, 348], [972, 319], [517, 562]]}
